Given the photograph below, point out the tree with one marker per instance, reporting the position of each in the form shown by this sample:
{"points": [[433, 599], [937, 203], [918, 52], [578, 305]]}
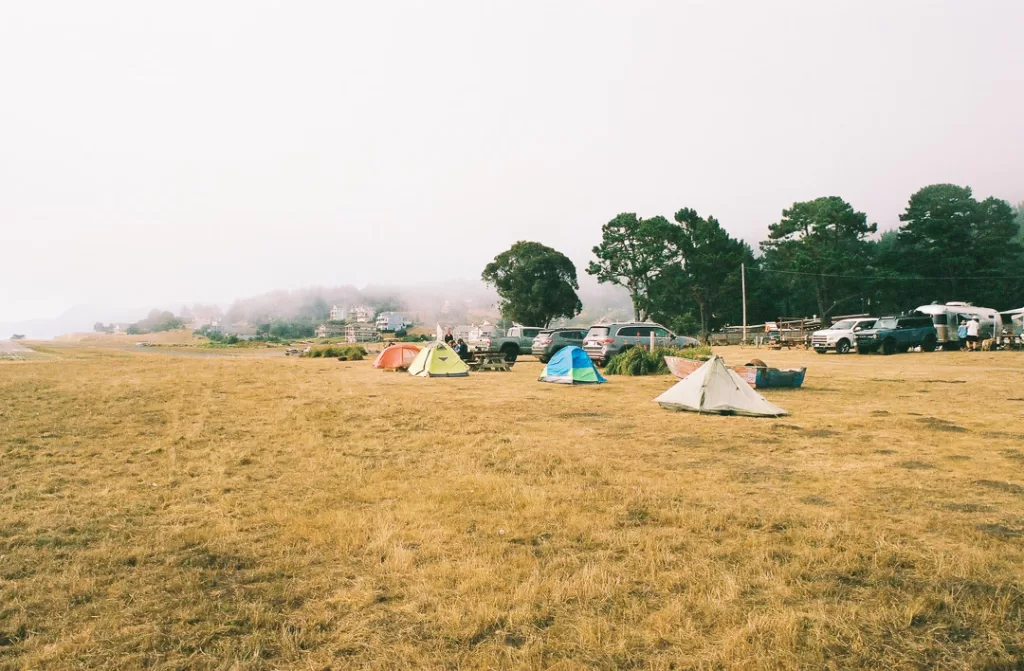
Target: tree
{"points": [[156, 322], [821, 240], [711, 263], [953, 243], [633, 253], [1018, 216], [535, 283], [100, 327]]}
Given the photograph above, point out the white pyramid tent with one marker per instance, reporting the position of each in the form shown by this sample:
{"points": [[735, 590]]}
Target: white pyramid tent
{"points": [[713, 388]]}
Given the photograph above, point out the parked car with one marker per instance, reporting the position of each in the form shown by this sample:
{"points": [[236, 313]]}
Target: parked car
{"points": [[517, 340], [841, 336], [548, 342], [889, 335], [605, 341], [292, 351]]}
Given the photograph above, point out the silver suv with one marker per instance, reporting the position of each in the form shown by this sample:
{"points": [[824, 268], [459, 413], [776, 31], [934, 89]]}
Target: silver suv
{"points": [[548, 342], [605, 341]]}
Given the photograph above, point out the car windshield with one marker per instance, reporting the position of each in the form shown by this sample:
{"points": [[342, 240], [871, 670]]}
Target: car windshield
{"points": [[844, 325], [885, 324], [597, 331]]}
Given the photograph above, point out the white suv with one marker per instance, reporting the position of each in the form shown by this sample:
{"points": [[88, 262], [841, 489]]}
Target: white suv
{"points": [[840, 336]]}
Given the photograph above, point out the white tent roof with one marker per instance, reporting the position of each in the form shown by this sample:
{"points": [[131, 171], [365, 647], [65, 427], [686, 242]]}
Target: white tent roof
{"points": [[713, 388]]}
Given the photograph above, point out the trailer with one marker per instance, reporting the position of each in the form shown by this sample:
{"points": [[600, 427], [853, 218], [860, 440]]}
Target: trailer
{"points": [[947, 318]]}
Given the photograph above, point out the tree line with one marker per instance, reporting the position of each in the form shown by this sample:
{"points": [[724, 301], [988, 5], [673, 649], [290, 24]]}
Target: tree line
{"points": [[822, 257]]}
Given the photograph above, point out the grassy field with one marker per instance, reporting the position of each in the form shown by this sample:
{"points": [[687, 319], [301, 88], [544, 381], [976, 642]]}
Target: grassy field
{"points": [[246, 512]]}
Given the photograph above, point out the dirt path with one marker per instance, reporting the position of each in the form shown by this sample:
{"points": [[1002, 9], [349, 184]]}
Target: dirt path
{"points": [[10, 349]]}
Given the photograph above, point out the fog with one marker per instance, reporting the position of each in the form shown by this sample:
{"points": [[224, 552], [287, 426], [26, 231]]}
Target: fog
{"points": [[159, 155]]}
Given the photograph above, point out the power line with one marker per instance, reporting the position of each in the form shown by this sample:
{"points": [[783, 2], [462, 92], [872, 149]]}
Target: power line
{"points": [[889, 277]]}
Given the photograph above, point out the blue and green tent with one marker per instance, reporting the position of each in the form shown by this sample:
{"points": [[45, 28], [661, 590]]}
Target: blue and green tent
{"points": [[571, 365]]}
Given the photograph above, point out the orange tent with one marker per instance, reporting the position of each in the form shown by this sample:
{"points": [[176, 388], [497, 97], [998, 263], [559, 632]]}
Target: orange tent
{"points": [[396, 357]]}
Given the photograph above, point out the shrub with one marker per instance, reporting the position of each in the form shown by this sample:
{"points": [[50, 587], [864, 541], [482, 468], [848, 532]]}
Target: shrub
{"points": [[640, 361], [342, 352]]}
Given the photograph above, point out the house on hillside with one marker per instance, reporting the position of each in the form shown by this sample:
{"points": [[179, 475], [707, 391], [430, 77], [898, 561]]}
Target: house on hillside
{"points": [[210, 324], [393, 321], [330, 331], [361, 314], [338, 313], [361, 332]]}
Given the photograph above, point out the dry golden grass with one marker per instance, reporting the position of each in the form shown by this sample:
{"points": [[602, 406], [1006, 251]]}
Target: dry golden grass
{"points": [[176, 512], [177, 337]]}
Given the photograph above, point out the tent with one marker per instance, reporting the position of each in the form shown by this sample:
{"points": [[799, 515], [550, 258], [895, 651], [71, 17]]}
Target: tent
{"points": [[714, 388], [398, 356], [571, 365], [438, 360]]}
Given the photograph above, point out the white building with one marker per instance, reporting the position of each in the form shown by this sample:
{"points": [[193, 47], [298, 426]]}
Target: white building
{"points": [[337, 313], [361, 332], [362, 314], [485, 330], [329, 331], [392, 321]]}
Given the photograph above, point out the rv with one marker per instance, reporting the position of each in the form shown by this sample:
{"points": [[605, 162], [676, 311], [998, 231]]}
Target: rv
{"points": [[947, 318]]}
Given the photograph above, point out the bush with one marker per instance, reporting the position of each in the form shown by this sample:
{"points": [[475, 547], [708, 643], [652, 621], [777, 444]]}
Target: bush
{"points": [[342, 352], [640, 361]]}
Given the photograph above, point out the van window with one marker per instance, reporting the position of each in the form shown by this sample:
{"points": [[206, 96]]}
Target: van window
{"points": [[660, 332], [597, 332], [627, 331], [643, 331]]}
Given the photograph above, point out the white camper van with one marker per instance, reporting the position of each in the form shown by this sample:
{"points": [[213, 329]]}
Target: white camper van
{"points": [[947, 318]]}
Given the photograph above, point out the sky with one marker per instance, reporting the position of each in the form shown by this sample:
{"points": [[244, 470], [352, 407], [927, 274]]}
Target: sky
{"points": [[159, 153]]}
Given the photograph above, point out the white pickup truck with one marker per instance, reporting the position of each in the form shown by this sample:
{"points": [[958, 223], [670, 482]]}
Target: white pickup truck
{"points": [[840, 336], [517, 340]]}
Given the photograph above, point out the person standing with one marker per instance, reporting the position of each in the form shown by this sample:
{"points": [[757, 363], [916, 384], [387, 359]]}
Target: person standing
{"points": [[973, 328]]}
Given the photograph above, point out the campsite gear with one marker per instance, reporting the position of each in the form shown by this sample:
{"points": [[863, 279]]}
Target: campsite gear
{"points": [[715, 388], [438, 360], [778, 378], [396, 357], [571, 365]]}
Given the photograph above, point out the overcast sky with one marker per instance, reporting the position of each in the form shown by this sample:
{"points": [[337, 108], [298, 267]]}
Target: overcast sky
{"points": [[152, 153]]}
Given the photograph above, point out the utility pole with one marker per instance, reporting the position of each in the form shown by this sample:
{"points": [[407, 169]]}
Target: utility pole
{"points": [[743, 282]]}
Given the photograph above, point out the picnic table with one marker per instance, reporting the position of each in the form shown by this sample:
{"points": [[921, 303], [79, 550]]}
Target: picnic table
{"points": [[489, 361]]}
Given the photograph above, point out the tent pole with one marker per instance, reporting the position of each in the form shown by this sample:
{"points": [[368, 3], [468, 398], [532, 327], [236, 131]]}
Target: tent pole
{"points": [[743, 280]]}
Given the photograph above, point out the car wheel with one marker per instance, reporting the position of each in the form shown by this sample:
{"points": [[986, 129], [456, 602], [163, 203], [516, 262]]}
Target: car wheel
{"points": [[820, 350], [543, 359], [889, 347], [928, 345], [843, 347], [511, 353]]}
